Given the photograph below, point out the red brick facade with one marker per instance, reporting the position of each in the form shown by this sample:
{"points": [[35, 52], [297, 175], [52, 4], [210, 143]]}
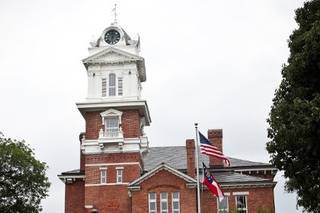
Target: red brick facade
{"points": [[84, 196], [215, 137], [130, 123], [257, 199], [191, 169], [164, 181], [111, 197], [74, 197]]}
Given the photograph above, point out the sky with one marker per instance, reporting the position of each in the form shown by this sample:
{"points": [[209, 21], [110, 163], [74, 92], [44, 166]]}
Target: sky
{"points": [[216, 63]]}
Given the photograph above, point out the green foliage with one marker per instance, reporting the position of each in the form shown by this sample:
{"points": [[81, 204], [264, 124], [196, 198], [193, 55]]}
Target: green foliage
{"points": [[23, 182], [294, 119], [270, 211]]}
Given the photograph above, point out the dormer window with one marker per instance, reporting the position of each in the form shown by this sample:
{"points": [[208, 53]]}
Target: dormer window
{"points": [[112, 84], [111, 119]]}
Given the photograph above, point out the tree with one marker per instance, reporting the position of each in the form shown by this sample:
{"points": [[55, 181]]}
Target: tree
{"points": [[23, 181], [294, 119]]}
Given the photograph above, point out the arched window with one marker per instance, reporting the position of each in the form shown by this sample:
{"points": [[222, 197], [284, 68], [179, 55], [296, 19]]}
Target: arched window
{"points": [[112, 84]]}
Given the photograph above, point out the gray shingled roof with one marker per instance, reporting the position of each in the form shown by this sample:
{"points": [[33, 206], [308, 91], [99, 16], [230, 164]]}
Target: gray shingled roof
{"points": [[227, 177], [176, 156]]}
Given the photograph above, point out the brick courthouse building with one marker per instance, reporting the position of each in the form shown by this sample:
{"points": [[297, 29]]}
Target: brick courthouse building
{"points": [[119, 170]]}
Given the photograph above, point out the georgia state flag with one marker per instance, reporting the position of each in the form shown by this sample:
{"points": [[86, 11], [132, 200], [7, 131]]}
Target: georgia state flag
{"points": [[211, 183]]}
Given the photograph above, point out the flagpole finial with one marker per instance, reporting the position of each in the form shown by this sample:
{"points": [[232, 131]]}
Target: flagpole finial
{"points": [[115, 14], [196, 125]]}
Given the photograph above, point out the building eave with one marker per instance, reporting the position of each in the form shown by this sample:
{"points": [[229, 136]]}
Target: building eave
{"points": [[247, 184], [102, 105], [71, 178]]}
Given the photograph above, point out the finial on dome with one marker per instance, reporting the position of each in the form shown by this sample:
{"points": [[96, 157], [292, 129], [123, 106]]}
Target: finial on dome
{"points": [[114, 11]]}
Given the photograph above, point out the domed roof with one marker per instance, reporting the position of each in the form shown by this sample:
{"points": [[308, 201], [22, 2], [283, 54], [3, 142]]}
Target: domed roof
{"points": [[123, 40]]}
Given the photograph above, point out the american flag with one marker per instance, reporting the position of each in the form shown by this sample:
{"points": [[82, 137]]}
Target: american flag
{"points": [[208, 149]]}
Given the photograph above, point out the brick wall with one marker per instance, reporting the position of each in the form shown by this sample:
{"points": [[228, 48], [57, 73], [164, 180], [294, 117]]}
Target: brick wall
{"points": [[113, 158], [257, 198], [164, 181], [130, 173], [105, 199], [74, 197], [114, 197], [93, 124], [131, 124], [215, 137], [191, 168]]}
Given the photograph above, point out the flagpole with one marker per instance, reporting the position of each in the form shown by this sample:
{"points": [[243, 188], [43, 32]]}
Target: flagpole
{"points": [[197, 163]]}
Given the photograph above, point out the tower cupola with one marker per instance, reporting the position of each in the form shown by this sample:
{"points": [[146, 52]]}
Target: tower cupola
{"points": [[114, 111]]}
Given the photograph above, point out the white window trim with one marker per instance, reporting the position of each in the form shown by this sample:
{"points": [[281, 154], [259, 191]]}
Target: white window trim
{"points": [[105, 176], [108, 114], [175, 200], [105, 184], [226, 195], [235, 197], [119, 174], [240, 193], [111, 113], [153, 200], [164, 200], [111, 126]]}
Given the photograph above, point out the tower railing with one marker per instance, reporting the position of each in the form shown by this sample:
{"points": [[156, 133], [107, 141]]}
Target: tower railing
{"points": [[110, 133]]}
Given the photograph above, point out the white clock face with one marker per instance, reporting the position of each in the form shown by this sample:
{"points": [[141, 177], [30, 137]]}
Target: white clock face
{"points": [[112, 37]]}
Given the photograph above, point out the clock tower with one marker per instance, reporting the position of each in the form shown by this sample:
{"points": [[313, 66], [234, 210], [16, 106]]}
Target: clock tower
{"points": [[115, 115], [114, 112]]}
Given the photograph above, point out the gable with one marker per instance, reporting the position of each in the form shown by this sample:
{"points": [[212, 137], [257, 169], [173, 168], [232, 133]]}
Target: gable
{"points": [[112, 55], [162, 169]]}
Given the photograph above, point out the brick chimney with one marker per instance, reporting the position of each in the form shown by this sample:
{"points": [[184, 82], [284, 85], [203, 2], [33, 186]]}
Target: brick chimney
{"points": [[191, 169], [215, 137]]}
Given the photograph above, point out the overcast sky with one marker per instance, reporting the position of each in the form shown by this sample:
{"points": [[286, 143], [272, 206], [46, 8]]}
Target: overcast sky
{"points": [[217, 63]]}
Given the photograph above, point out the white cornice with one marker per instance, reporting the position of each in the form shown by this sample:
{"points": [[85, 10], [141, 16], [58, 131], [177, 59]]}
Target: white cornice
{"points": [[105, 184], [70, 178], [96, 105], [125, 55]]}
